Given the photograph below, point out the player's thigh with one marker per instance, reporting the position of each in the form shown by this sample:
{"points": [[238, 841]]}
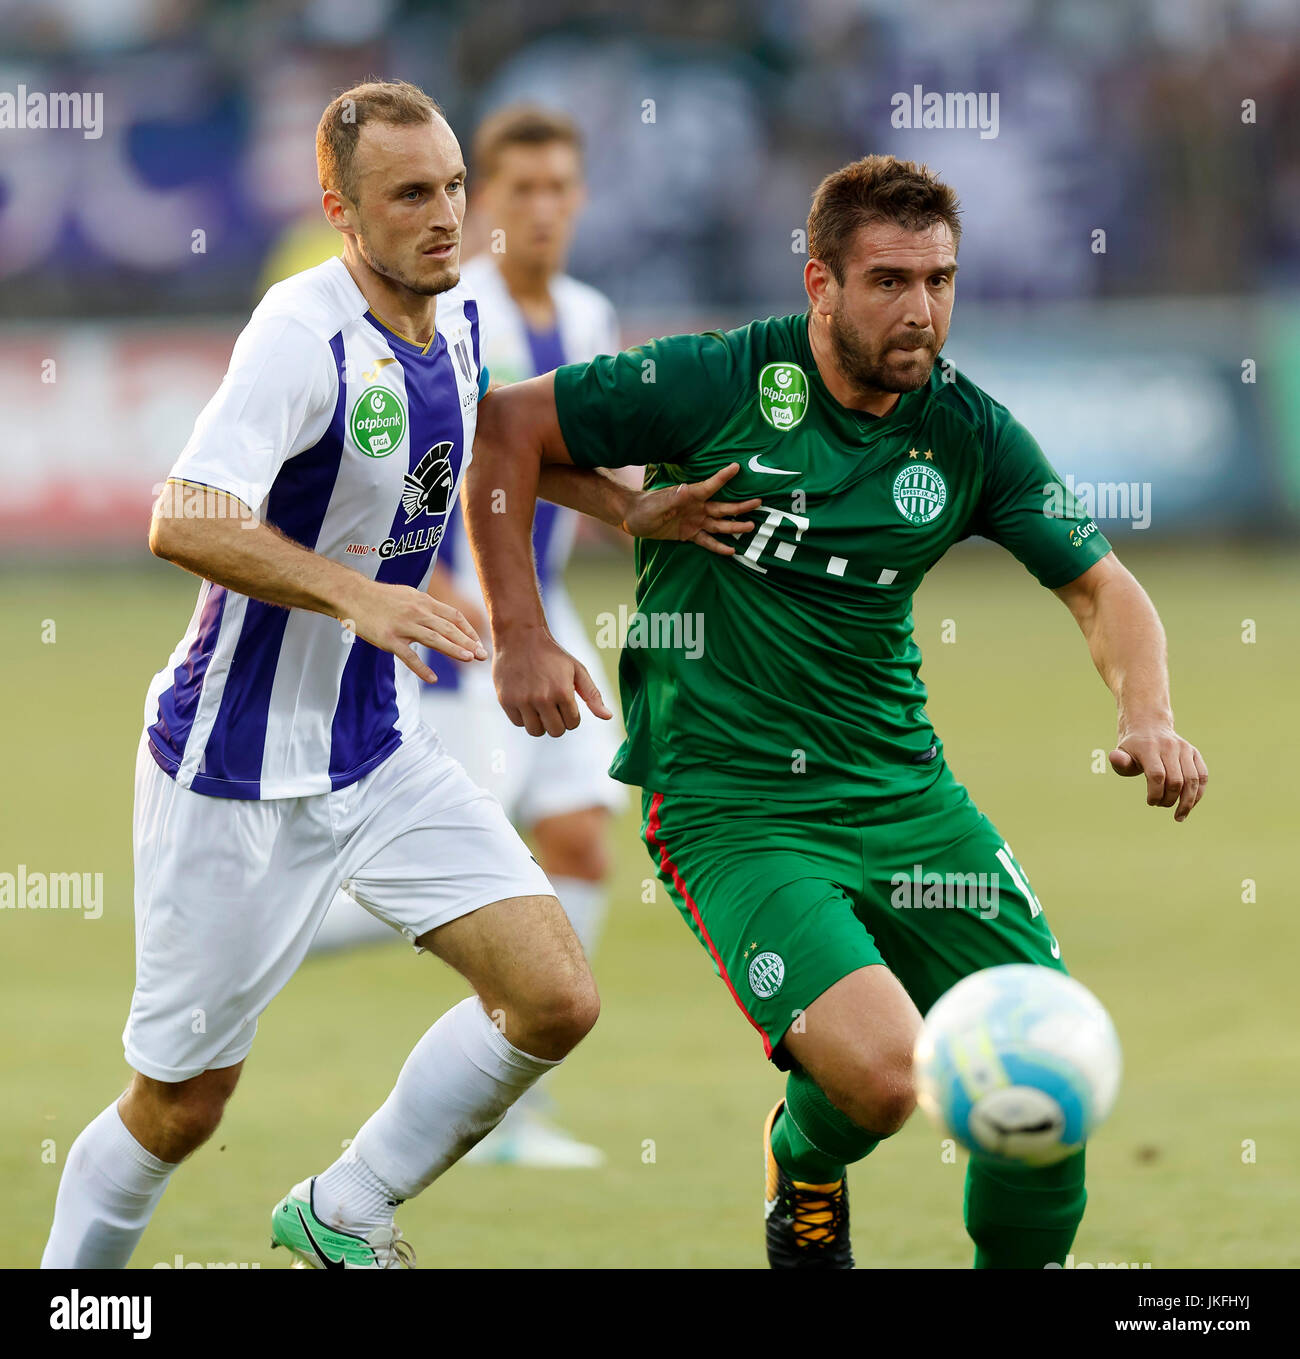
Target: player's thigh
{"points": [[228, 893], [948, 898], [766, 899], [522, 957]]}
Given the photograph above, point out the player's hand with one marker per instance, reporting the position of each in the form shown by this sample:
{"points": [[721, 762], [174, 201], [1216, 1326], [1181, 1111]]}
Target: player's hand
{"points": [[536, 681], [398, 618], [443, 592], [688, 513], [1175, 773]]}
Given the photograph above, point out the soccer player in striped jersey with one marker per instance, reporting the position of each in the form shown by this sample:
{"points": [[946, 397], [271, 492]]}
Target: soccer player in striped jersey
{"points": [[775, 715], [533, 317], [283, 752]]}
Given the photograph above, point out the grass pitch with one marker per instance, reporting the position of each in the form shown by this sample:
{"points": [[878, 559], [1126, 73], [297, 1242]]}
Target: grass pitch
{"points": [[1196, 1167]]}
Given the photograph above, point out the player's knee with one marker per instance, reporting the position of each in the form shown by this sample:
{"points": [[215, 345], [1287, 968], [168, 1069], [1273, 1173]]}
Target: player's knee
{"points": [[561, 1018], [588, 862], [188, 1124], [890, 1104], [879, 1097], [179, 1118]]}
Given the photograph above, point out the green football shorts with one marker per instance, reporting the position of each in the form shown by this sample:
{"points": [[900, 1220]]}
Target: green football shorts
{"points": [[787, 901]]}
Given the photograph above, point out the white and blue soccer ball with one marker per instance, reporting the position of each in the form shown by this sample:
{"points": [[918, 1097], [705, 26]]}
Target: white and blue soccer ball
{"points": [[1020, 1064]]}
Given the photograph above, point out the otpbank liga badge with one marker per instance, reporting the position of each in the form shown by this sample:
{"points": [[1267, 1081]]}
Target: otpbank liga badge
{"points": [[378, 421], [783, 394]]}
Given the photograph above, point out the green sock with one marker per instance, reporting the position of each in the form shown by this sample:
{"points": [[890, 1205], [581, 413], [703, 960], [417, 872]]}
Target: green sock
{"points": [[811, 1139], [1023, 1217]]}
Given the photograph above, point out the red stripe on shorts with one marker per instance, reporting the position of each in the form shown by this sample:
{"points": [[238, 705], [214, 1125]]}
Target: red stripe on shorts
{"points": [[652, 835]]}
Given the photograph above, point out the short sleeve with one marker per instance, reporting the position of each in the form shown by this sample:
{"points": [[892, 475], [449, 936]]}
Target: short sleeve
{"points": [[275, 401], [1025, 506], [658, 403], [484, 382]]}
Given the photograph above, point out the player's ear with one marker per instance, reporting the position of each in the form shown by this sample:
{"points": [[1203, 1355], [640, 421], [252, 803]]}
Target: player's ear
{"points": [[335, 207], [819, 283]]}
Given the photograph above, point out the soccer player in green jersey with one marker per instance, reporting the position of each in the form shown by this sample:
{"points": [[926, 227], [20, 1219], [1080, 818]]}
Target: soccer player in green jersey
{"points": [[776, 720]]}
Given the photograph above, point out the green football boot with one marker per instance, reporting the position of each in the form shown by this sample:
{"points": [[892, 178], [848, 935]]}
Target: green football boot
{"points": [[295, 1226]]}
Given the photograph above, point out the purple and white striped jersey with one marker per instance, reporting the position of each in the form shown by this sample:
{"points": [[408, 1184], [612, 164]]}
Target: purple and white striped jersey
{"points": [[352, 440]]}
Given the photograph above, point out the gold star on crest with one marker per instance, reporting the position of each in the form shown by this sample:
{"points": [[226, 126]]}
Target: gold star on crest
{"points": [[929, 457], [913, 454]]}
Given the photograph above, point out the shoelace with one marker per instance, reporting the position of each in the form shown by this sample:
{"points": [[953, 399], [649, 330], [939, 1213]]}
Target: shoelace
{"points": [[392, 1250], [818, 1218]]}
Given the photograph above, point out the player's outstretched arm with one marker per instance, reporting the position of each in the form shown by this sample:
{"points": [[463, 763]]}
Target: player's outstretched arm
{"points": [[217, 536], [1127, 643], [518, 432]]}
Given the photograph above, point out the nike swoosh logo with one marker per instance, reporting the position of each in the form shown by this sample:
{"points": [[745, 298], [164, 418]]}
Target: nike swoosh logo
{"points": [[318, 1248], [756, 466]]}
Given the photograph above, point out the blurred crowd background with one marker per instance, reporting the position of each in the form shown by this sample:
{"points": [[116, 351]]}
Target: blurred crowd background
{"points": [[1167, 359]]}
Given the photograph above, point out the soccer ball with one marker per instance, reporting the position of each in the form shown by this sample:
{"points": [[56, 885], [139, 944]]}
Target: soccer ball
{"points": [[1019, 1063]]}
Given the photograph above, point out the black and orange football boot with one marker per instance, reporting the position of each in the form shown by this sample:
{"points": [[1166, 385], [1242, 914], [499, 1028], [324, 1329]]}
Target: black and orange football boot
{"points": [[807, 1224]]}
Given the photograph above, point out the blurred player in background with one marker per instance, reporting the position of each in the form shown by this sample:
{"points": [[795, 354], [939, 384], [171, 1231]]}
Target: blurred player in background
{"points": [[527, 193]]}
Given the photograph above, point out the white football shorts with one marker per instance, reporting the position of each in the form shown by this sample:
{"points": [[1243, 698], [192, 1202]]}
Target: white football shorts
{"points": [[533, 777], [229, 893]]}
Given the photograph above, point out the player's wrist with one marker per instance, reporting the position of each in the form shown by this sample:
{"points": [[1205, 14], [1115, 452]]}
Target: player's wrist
{"points": [[346, 593], [518, 629], [1133, 721]]}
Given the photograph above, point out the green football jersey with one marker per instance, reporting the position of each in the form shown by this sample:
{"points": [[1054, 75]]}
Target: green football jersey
{"points": [[789, 671]]}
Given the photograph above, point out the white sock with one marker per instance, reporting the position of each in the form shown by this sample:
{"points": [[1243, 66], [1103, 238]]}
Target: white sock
{"points": [[454, 1088], [347, 925], [584, 904], [109, 1189]]}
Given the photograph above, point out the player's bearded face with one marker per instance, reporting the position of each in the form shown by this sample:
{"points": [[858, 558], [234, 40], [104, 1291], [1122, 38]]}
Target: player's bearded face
{"points": [[889, 316], [899, 362]]}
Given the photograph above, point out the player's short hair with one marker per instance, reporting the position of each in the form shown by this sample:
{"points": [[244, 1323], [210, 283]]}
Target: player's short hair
{"points": [[876, 189], [394, 102], [520, 125]]}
